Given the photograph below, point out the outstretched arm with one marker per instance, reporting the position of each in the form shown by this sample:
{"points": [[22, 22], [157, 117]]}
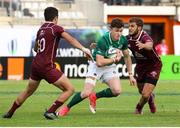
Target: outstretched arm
{"points": [[147, 45], [128, 62], [76, 43]]}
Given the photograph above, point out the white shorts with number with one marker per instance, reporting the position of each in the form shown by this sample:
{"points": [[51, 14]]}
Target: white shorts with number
{"points": [[104, 73]]}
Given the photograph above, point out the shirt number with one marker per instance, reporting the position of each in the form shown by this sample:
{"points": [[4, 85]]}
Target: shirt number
{"points": [[41, 45]]}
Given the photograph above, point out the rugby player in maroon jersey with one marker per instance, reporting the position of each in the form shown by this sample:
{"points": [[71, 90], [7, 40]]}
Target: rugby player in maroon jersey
{"points": [[43, 65], [148, 63]]}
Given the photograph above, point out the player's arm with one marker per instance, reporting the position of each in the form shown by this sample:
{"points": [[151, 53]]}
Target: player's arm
{"points": [[101, 61], [148, 45], [128, 62], [75, 43]]}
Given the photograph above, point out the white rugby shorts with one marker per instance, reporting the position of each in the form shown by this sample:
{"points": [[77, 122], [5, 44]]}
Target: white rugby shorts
{"points": [[104, 73]]}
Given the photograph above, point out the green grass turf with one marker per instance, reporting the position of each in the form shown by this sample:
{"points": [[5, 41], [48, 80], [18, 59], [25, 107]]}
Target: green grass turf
{"points": [[111, 112]]}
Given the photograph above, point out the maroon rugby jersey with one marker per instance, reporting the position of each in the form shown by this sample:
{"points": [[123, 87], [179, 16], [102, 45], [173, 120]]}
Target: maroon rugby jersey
{"points": [[48, 37], [143, 55]]}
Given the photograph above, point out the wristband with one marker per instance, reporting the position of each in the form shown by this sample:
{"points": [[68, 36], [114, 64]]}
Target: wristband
{"points": [[84, 49]]}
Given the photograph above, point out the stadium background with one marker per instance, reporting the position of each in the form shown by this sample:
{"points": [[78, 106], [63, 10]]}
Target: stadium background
{"points": [[86, 20]]}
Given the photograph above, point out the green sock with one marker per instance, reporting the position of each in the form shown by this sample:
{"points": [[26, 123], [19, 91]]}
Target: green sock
{"points": [[105, 93], [75, 100]]}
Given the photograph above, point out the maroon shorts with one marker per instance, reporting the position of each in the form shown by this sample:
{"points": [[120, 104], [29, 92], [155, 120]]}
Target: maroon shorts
{"points": [[148, 73], [51, 75]]}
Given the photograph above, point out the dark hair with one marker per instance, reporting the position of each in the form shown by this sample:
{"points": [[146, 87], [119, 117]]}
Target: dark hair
{"points": [[137, 20], [50, 13], [116, 22]]}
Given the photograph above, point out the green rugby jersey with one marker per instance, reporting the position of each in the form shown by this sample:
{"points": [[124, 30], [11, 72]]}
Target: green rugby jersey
{"points": [[105, 45]]}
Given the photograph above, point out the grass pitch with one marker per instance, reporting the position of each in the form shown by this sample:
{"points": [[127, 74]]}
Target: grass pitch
{"points": [[111, 112]]}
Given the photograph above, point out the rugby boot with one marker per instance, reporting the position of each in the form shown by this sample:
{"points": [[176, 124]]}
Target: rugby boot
{"points": [[50, 115], [92, 105], [151, 103], [63, 111], [7, 115], [138, 109]]}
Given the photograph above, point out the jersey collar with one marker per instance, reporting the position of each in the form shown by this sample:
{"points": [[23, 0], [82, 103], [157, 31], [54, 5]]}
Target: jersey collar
{"points": [[111, 39]]}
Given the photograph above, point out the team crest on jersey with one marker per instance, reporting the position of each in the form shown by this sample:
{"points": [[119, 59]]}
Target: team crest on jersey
{"points": [[153, 73]]}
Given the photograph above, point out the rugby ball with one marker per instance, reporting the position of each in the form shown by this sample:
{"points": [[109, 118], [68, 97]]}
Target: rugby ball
{"points": [[112, 52]]}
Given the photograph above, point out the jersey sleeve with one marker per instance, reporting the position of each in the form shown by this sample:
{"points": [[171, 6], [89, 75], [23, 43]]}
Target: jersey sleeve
{"points": [[147, 38], [125, 43], [101, 49], [58, 30]]}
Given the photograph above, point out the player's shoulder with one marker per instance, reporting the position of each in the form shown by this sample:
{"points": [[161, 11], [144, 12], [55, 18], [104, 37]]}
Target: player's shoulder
{"points": [[145, 36], [55, 26]]}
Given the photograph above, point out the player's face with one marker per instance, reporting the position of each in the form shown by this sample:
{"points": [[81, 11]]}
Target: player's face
{"points": [[116, 33], [133, 29]]}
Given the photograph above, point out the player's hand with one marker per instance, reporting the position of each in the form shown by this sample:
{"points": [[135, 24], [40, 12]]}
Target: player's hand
{"points": [[93, 46], [132, 80], [140, 45], [118, 56], [88, 53]]}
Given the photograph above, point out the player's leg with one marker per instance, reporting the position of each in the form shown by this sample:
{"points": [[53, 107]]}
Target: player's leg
{"points": [[88, 87], [110, 77], [151, 103], [64, 84], [146, 93], [79, 96], [140, 86], [32, 86], [113, 91], [149, 76]]}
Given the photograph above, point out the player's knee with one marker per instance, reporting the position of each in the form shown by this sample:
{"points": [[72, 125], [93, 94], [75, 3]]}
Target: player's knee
{"points": [[71, 90], [145, 95], [85, 94], [116, 92], [91, 81]]}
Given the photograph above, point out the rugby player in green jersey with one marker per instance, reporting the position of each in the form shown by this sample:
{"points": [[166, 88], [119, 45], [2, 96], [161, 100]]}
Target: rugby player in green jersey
{"points": [[108, 52]]}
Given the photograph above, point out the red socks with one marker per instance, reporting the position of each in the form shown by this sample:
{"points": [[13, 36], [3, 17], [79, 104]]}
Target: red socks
{"points": [[55, 106], [13, 108]]}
